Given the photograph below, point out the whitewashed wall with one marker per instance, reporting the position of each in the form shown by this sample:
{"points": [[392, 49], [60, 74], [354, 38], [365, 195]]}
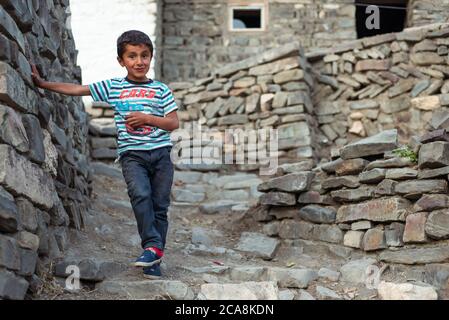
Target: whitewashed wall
{"points": [[96, 25]]}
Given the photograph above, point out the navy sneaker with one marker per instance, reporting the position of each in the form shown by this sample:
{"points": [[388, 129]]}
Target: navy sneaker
{"points": [[147, 259], [153, 272]]}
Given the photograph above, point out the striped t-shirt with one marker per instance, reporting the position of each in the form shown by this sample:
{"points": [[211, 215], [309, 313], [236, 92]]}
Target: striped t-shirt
{"points": [[126, 96]]}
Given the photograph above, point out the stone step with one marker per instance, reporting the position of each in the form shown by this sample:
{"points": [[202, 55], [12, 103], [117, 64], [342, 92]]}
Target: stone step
{"points": [[148, 289], [242, 291], [90, 269], [298, 278]]}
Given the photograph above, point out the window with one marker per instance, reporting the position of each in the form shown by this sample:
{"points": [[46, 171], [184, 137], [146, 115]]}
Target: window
{"points": [[392, 17], [247, 18]]}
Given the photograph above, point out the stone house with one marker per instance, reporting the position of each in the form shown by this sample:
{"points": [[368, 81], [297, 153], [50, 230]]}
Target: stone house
{"points": [[208, 34]]}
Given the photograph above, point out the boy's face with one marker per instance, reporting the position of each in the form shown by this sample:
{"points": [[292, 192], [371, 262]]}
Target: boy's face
{"points": [[136, 59]]}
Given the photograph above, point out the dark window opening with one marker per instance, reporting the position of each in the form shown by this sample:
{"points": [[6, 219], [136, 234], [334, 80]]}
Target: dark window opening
{"points": [[392, 17], [247, 18]]}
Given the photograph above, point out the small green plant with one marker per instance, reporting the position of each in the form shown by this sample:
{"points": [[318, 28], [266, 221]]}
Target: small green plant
{"points": [[406, 152]]}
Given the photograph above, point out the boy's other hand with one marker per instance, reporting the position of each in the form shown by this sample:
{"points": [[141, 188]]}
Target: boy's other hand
{"points": [[137, 119], [36, 76]]}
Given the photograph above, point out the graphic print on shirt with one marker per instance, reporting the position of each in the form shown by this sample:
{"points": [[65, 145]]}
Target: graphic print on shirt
{"points": [[124, 108], [126, 96]]}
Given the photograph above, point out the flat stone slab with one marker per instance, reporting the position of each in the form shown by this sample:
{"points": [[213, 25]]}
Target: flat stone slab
{"points": [[433, 173], [406, 291], [249, 273], [243, 291], [373, 176], [218, 207], [15, 169], [416, 256], [378, 210], [431, 202], [421, 186], [209, 269], [148, 289], [203, 250], [324, 293], [389, 163], [278, 199], [437, 224], [204, 236], [90, 269], [294, 182], [374, 145], [258, 245], [318, 214], [292, 278], [353, 195], [339, 182], [401, 174]]}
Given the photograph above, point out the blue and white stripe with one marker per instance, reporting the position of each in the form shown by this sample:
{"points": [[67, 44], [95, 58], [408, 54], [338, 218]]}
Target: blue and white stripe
{"points": [[161, 105]]}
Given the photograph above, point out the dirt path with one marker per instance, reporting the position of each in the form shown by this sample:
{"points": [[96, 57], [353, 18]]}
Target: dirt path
{"points": [[111, 237]]}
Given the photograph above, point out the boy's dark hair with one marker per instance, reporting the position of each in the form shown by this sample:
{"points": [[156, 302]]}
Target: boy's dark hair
{"points": [[133, 37]]}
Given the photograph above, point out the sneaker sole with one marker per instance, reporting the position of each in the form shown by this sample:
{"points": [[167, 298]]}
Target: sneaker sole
{"points": [[146, 264]]}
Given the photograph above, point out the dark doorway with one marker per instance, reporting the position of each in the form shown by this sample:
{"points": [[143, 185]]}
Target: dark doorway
{"points": [[392, 16]]}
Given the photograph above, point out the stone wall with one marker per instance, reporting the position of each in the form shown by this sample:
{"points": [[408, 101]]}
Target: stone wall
{"points": [[197, 30], [389, 81], [44, 166], [424, 12], [372, 200], [267, 91]]}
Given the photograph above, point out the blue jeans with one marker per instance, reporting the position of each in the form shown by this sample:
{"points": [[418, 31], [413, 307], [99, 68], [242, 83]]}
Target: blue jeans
{"points": [[149, 176]]}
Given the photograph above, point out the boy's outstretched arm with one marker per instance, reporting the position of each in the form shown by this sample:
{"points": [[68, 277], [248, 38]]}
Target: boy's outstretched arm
{"points": [[169, 123], [70, 89]]}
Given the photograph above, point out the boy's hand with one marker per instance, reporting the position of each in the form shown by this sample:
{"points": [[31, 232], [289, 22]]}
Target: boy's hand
{"points": [[36, 76], [137, 119]]}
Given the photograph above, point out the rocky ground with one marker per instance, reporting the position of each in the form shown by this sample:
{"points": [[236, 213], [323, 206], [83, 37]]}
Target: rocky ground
{"points": [[220, 256]]}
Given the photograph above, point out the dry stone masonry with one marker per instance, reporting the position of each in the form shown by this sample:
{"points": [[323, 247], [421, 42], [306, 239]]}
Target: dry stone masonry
{"points": [[44, 171], [201, 29], [383, 82], [370, 199], [267, 91]]}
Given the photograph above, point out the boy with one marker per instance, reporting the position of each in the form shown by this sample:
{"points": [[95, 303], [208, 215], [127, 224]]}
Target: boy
{"points": [[145, 113]]}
